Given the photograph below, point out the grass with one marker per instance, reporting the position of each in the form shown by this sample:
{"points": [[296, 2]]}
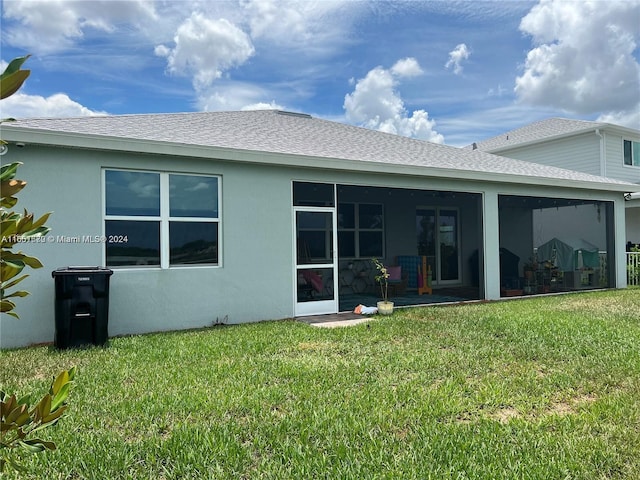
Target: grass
{"points": [[543, 388]]}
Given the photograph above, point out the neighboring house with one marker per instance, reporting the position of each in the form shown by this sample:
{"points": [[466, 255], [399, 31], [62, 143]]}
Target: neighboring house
{"points": [[235, 216], [591, 147]]}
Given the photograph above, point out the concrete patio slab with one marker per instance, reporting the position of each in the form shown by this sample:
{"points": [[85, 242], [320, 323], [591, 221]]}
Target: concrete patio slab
{"points": [[335, 320]]}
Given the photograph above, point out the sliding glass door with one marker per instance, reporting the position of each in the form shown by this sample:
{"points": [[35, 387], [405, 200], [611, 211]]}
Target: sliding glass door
{"points": [[438, 239]]}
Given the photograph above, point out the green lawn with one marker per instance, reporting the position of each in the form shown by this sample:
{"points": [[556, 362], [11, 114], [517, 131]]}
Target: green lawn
{"points": [[543, 388]]}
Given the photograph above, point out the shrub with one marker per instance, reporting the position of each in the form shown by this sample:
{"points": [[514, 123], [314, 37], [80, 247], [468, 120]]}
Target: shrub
{"points": [[19, 422]]}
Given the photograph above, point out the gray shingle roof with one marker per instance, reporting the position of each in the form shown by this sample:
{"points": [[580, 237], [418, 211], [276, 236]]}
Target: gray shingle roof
{"points": [[294, 134], [537, 131]]}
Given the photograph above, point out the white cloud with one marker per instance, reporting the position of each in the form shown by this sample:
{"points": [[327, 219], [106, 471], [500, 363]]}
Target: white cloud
{"points": [[20, 105], [407, 67], [228, 96], [263, 106], [497, 92], [205, 49], [281, 20], [456, 56], [583, 61], [52, 25], [376, 104], [373, 98], [314, 26], [629, 118], [203, 41]]}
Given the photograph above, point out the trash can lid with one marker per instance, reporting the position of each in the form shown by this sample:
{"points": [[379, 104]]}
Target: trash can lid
{"points": [[81, 269]]}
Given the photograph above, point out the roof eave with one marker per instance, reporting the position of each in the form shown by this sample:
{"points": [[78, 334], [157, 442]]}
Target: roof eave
{"points": [[591, 129], [119, 144], [561, 136]]}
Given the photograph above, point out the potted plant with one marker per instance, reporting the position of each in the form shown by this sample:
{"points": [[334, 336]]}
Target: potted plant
{"points": [[385, 307]]}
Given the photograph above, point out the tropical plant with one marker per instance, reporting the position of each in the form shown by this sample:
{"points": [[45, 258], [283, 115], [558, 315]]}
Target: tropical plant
{"points": [[19, 422], [15, 227], [12, 78], [382, 278]]}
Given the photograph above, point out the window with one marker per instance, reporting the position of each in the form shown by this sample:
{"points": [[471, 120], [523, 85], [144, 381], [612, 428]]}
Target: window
{"points": [[161, 219], [314, 231], [632, 153], [306, 194], [360, 230]]}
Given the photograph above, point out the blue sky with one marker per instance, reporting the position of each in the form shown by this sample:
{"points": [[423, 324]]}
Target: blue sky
{"points": [[452, 72]]}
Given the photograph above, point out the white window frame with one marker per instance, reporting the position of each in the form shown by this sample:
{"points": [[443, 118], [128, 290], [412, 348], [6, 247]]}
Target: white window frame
{"points": [[164, 219], [635, 162]]}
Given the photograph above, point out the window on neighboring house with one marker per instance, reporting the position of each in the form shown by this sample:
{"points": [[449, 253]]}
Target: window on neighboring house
{"points": [[161, 219], [360, 230], [632, 153]]}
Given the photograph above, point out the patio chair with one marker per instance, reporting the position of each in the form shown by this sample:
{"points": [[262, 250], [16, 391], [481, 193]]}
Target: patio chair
{"points": [[397, 281]]}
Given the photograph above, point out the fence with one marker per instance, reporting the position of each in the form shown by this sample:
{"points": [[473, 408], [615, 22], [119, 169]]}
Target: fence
{"points": [[633, 268]]}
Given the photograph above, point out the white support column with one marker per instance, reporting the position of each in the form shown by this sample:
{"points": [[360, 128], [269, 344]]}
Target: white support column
{"points": [[491, 227], [620, 243]]}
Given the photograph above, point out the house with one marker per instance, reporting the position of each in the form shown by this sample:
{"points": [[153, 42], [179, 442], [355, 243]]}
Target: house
{"points": [[235, 216], [597, 148]]}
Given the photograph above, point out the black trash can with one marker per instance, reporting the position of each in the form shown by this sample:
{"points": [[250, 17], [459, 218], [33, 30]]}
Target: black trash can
{"points": [[82, 306]]}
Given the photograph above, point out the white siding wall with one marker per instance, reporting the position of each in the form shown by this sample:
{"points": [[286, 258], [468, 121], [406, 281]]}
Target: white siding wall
{"points": [[614, 154], [580, 153]]}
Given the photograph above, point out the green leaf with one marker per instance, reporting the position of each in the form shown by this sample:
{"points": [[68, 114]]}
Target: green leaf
{"points": [[8, 202], [43, 408], [41, 221], [33, 262], [53, 416], [17, 293], [13, 261], [14, 282], [14, 66], [15, 413], [60, 397], [61, 380], [7, 272], [6, 306], [37, 232], [8, 171], [12, 83], [12, 78], [24, 418], [32, 446]]}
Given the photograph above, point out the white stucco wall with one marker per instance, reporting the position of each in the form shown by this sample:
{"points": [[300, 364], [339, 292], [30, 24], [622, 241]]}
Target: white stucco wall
{"points": [[255, 240]]}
